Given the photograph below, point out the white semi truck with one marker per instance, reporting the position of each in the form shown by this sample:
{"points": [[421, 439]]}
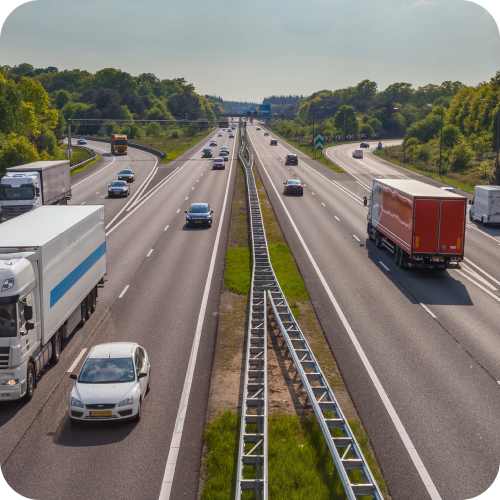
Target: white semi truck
{"points": [[30, 186], [485, 207], [52, 260]]}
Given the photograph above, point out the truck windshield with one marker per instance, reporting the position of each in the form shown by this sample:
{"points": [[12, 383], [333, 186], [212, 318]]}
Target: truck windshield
{"points": [[121, 142], [8, 323], [16, 193]]}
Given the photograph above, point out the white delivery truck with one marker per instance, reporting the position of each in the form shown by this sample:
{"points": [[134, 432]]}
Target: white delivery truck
{"points": [[30, 186], [51, 262], [358, 153], [485, 207]]}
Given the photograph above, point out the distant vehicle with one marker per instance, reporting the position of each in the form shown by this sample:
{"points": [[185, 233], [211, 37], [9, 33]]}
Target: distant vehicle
{"points": [[206, 153], [219, 134], [229, 129], [291, 159], [258, 128], [119, 144], [485, 206], [81, 141], [274, 142], [224, 148], [213, 142], [218, 163], [126, 175], [364, 145], [112, 383], [422, 225], [231, 135], [118, 188], [199, 214], [42, 304], [449, 189], [266, 134], [223, 129], [379, 146], [293, 186], [358, 153], [26, 187], [224, 154]]}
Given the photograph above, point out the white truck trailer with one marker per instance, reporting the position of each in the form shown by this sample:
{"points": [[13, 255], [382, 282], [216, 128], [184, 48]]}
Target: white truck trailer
{"points": [[52, 261], [30, 186], [485, 207]]}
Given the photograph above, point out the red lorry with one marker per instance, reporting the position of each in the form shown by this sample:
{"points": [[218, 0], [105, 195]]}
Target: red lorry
{"points": [[422, 225]]}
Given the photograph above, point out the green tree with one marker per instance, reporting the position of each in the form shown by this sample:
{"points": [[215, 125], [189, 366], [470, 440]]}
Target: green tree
{"points": [[153, 129], [61, 98], [351, 123], [17, 150], [461, 156], [451, 136]]}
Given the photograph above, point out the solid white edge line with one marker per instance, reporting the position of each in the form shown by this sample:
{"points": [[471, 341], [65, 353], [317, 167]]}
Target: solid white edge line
{"points": [[479, 269], [149, 253], [415, 457], [479, 286], [123, 292], [166, 227], [98, 172], [323, 204], [428, 310], [473, 273], [383, 265], [178, 210], [336, 218], [354, 236], [77, 360], [173, 452]]}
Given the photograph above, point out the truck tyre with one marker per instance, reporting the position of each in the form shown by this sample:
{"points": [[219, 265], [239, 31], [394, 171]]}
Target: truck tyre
{"points": [[377, 239], [88, 300], [83, 308], [470, 216], [369, 231], [56, 348], [30, 382], [403, 260], [93, 300], [397, 251]]}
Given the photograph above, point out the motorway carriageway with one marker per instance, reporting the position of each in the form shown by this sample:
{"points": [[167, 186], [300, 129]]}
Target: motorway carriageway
{"points": [[162, 292], [419, 349]]}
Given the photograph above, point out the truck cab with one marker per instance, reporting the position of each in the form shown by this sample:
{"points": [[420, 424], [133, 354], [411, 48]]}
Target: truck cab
{"points": [[19, 193]]}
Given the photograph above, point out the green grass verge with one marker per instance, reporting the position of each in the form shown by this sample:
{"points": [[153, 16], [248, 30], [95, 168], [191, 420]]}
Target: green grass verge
{"points": [[434, 175], [83, 167], [238, 270], [79, 154]]}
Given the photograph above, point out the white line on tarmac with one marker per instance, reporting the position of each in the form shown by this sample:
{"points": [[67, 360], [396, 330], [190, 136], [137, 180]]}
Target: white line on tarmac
{"points": [[173, 452], [123, 292], [479, 286], [479, 269], [178, 210], [166, 228], [323, 204], [356, 238], [384, 266], [473, 273], [77, 360], [337, 218], [83, 203], [428, 310], [149, 253], [98, 172]]}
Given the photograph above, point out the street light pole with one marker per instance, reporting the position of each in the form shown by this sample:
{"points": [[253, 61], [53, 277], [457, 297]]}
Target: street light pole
{"points": [[441, 142], [497, 171], [380, 124]]}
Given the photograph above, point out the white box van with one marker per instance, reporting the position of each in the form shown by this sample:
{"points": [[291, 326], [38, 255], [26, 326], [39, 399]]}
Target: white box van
{"points": [[485, 207], [358, 153]]}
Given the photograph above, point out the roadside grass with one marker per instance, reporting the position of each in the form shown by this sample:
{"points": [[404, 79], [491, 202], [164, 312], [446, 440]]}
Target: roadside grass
{"points": [[173, 147], [465, 186], [83, 167], [238, 270], [79, 154]]}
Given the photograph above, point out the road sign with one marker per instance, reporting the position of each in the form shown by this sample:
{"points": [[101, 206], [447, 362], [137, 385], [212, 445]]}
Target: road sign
{"points": [[310, 141], [327, 137], [318, 141], [265, 109], [375, 134], [349, 136], [361, 136], [339, 137]]}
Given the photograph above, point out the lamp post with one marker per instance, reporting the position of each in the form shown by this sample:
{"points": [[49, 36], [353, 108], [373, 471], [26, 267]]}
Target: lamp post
{"points": [[497, 172]]}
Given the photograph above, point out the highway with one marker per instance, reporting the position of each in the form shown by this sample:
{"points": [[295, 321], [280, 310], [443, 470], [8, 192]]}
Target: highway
{"points": [[162, 292], [419, 350]]}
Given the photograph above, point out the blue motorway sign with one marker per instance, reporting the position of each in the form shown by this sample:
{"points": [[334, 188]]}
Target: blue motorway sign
{"points": [[264, 109]]}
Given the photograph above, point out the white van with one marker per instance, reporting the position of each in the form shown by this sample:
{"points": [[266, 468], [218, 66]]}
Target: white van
{"points": [[358, 153], [485, 207]]}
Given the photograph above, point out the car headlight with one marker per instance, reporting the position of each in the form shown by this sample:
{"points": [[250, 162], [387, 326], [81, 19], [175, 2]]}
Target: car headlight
{"points": [[188, 216], [13, 381], [209, 216], [76, 402], [126, 401]]}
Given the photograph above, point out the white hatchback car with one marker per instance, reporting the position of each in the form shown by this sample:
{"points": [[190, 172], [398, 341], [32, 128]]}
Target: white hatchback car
{"points": [[112, 383]]}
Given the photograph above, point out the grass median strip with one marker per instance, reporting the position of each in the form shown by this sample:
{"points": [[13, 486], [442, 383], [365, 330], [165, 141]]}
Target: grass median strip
{"points": [[83, 167]]}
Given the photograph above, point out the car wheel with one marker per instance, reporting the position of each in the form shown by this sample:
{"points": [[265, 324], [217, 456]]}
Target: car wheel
{"points": [[56, 348], [302, 194], [148, 388], [138, 415], [482, 222], [83, 311], [30, 382]]}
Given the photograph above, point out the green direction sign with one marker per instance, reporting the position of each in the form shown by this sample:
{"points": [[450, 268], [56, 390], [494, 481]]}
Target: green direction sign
{"points": [[318, 141]]}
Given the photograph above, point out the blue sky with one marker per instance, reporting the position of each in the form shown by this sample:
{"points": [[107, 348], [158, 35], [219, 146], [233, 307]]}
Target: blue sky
{"points": [[248, 50]]}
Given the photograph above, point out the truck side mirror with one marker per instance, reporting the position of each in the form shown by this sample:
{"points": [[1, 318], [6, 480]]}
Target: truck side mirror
{"points": [[28, 312], [470, 202], [29, 326], [365, 201]]}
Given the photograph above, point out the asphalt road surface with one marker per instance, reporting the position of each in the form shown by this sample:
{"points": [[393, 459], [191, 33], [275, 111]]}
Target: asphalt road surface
{"points": [[163, 288], [419, 349]]}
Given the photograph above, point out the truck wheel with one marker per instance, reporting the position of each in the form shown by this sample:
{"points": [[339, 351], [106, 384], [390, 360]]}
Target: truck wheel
{"points": [[397, 251], [403, 259], [93, 300], [470, 216], [56, 348], [83, 308], [88, 300], [377, 239], [369, 231], [30, 382]]}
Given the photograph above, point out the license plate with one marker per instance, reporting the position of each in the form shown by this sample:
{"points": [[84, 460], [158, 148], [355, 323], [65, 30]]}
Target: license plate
{"points": [[198, 221], [117, 192], [100, 413], [436, 259], [295, 187]]}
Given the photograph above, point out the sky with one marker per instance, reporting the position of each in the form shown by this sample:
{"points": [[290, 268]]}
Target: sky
{"points": [[253, 49]]}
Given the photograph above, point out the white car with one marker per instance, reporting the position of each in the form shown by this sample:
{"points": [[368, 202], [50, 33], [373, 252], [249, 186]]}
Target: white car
{"points": [[258, 128], [213, 143], [219, 134], [112, 383]]}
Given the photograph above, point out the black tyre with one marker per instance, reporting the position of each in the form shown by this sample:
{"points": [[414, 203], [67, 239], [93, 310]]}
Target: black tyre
{"points": [[88, 311], [138, 416], [369, 231], [482, 222], [148, 388], [301, 194], [56, 348], [30, 382], [83, 308], [377, 239], [403, 259], [93, 300], [397, 250], [470, 216]]}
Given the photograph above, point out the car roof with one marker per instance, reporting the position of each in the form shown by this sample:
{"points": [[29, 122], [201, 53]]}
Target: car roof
{"points": [[113, 350], [219, 158], [289, 181], [198, 203]]}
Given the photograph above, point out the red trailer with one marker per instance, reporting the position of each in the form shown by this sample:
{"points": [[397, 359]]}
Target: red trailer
{"points": [[422, 225]]}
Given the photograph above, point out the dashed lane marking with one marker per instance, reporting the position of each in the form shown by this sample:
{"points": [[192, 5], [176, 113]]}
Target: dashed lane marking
{"points": [[77, 360], [123, 292]]}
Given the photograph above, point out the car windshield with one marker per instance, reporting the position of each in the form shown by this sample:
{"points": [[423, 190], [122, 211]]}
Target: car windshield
{"points": [[107, 371], [223, 153], [17, 193], [125, 171], [207, 150], [199, 208], [8, 322], [118, 184], [292, 156], [294, 182]]}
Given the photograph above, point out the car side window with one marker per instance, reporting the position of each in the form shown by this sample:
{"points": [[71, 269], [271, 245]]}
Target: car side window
{"points": [[141, 357], [138, 362]]}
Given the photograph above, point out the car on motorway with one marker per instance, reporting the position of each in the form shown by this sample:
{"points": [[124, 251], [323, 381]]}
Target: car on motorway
{"points": [[357, 153], [274, 142], [258, 128], [126, 175], [293, 186], [213, 142], [81, 141], [118, 188], [199, 214], [218, 163], [223, 129], [231, 135], [113, 381], [364, 145], [206, 153], [224, 148], [266, 134], [291, 159], [219, 134], [449, 189], [224, 154]]}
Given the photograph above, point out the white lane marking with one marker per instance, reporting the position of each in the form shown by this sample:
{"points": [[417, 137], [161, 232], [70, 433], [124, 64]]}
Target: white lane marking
{"points": [[363, 186], [484, 234], [383, 265], [97, 192], [83, 203], [198, 180], [428, 310], [313, 193], [192, 189], [473, 273], [323, 204], [482, 270], [149, 253], [356, 238], [415, 457], [186, 198], [479, 286], [166, 227], [173, 452], [337, 218], [77, 360], [178, 210], [98, 172], [123, 292], [142, 188]]}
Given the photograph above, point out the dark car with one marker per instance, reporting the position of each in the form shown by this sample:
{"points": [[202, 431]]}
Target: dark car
{"points": [[126, 175], [81, 141], [364, 145], [224, 154], [274, 142], [118, 188], [291, 159], [266, 133], [199, 214], [206, 153], [293, 186]]}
